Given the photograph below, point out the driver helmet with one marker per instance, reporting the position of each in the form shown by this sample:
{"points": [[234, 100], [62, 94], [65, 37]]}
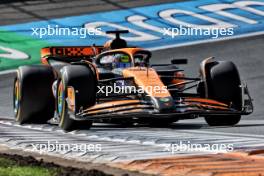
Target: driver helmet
{"points": [[121, 61]]}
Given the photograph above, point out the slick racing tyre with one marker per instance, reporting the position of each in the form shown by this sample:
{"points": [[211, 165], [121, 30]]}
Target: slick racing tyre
{"points": [[33, 100], [223, 83], [84, 82]]}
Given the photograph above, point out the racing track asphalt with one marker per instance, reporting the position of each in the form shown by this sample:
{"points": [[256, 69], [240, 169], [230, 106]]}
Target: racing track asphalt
{"points": [[247, 53]]}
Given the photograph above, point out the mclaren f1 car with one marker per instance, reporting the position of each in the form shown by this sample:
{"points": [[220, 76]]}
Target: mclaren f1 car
{"points": [[116, 83]]}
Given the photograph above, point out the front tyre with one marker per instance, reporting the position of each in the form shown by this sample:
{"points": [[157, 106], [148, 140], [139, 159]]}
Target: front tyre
{"points": [[223, 83], [222, 120], [83, 81]]}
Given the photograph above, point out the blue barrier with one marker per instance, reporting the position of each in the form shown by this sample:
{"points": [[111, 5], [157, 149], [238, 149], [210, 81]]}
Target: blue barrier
{"points": [[149, 24]]}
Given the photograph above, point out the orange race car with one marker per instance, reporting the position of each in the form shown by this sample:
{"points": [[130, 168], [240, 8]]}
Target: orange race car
{"points": [[116, 83]]}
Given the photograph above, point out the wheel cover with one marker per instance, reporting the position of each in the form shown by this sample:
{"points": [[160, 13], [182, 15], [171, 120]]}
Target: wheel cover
{"points": [[61, 99], [16, 98]]}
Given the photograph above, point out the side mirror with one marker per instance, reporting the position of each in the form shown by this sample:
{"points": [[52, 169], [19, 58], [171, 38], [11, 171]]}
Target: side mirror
{"points": [[179, 61]]}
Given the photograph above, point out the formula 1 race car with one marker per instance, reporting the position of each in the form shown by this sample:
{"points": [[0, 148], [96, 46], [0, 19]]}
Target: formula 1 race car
{"points": [[116, 83]]}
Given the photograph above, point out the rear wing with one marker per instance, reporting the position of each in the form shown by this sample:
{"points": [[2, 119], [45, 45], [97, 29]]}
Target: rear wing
{"points": [[69, 53]]}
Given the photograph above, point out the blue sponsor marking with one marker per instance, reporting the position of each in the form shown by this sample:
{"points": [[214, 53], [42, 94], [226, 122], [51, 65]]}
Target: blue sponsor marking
{"points": [[147, 23]]}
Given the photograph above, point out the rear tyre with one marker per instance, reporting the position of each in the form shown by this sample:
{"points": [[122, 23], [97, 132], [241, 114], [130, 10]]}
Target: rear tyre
{"points": [[84, 82], [223, 83], [33, 100]]}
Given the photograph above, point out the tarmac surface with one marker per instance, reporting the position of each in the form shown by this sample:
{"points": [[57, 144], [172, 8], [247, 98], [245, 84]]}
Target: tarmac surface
{"points": [[246, 53], [142, 142]]}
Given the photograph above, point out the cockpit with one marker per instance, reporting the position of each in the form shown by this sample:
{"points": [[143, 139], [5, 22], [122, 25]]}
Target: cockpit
{"points": [[115, 60], [121, 59]]}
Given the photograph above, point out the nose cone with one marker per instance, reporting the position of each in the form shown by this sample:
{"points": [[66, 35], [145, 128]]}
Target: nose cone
{"points": [[163, 103]]}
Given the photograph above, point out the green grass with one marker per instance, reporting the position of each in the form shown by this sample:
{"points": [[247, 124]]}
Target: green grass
{"points": [[6, 163], [10, 168]]}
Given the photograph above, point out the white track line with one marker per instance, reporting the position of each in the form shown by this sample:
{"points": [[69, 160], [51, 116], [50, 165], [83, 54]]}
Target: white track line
{"points": [[207, 41], [7, 72], [224, 133]]}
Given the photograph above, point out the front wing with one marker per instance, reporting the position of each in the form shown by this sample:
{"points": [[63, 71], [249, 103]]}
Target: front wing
{"points": [[184, 108]]}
